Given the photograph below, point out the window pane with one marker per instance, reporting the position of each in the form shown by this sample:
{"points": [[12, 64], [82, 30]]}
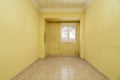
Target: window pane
{"points": [[72, 33], [64, 33]]}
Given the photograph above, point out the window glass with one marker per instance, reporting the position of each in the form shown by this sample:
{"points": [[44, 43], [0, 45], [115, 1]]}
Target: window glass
{"points": [[68, 33], [72, 33]]}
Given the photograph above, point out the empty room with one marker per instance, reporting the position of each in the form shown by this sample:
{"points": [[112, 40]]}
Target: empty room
{"points": [[59, 39]]}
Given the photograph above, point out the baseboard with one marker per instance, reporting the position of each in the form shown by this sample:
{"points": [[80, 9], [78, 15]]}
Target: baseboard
{"points": [[96, 69], [26, 68]]}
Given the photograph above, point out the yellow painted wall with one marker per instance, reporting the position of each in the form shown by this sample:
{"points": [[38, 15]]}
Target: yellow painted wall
{"points": [[18, 36], [53, 44], [102, 31], [59, 15]]}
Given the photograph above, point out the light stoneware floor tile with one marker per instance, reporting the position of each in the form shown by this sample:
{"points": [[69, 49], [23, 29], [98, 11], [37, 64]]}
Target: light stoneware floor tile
{"points": [[60, 68]]}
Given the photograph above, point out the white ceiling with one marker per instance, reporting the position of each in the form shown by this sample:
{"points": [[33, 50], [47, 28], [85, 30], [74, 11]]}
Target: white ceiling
{"points": [[61, 5]]}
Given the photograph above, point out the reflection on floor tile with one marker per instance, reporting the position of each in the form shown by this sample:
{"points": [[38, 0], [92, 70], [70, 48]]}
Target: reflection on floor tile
{"points": [[60, 68]]}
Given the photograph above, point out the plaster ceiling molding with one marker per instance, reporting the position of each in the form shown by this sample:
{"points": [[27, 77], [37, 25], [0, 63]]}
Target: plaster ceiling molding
{"points": [[61, 5]]}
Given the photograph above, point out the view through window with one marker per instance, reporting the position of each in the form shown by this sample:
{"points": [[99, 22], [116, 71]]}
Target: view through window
{"points": [[68, 32]]}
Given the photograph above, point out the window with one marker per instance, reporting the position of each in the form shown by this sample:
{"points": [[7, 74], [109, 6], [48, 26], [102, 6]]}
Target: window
{"points": [[68, 32]]}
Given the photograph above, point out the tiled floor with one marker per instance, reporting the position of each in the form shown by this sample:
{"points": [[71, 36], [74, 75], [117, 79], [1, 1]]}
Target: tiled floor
{"points": [[60, 68]]}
